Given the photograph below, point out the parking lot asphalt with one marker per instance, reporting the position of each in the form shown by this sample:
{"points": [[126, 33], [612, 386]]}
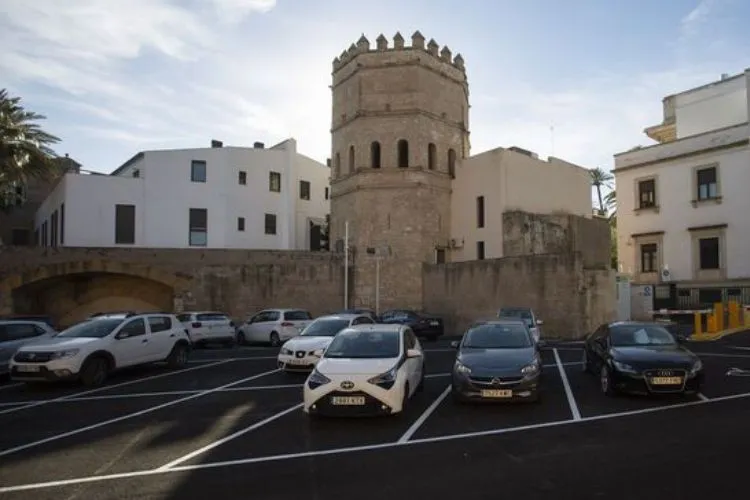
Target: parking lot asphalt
{"points": [[230, 425]]}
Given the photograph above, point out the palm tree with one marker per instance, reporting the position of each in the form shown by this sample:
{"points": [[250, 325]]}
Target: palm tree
{"points": [[599, 179], [610, 203], [25, 151]]}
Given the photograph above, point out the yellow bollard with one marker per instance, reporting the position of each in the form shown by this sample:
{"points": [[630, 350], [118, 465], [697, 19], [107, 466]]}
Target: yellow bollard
{"points": [[719, 316], [710, 323], [697, 323], [734, 314]]}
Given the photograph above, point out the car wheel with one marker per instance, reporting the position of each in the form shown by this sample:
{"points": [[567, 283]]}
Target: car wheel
{"points": [[605, 381], [405, 401], [241, 338], [94, 372], [178, 357], [274, 339], [585, 362]]}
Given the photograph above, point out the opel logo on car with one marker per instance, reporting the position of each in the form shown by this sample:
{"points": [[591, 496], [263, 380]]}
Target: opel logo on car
{"points": [[346, 384]]}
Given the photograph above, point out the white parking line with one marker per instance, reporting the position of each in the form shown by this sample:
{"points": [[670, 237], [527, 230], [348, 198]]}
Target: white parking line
{"points": [[131, 415], [568, 391], [244, 358], [702, 397], [8, 386], [223, 440], [107, 387], [352, 449], [418, 423]]}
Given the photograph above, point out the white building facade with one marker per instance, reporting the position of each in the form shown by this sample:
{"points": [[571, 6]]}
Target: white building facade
{"points": [[682, 205], [218, 197]]}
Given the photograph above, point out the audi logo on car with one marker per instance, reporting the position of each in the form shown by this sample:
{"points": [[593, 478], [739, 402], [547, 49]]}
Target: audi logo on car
{"points": [[346, 384], [665, 373]]}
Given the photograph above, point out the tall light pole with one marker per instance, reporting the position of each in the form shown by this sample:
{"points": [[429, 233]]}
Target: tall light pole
{"points": [[378, 252], [346, 265]]}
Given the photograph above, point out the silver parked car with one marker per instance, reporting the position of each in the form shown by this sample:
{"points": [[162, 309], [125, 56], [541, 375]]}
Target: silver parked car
{"points": [[17, 333]]}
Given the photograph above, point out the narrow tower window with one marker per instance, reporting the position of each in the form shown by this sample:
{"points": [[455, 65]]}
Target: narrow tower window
{"points": [[351, 159], [375, 154], [337, 166], [452, 163], [431, 154], [403, 153]]}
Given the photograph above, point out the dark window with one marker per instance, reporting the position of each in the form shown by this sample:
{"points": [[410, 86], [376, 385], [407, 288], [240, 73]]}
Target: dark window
{"points": [[480, 211], [326, 193], [709, 253], [707, 183], [45, 234], [452, 163], [198, 227], [19, 331], [648, 258], [304, 190], [133, 328], [242, 177], [270, 224], [159, 323], [136, 173], [62, 224], [431, 156], [647, 194], [53, 229], [297, 316], [480, 250], [198, 171], [124, 224], [36, 237], [20, 237], [240, 223], [351, 159], [403, 153], [337, 165], [440, 256], [274, 182], [375, 154]]}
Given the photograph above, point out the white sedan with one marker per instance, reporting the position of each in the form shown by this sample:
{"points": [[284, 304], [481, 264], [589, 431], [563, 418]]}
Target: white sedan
{"points": [[304, 351], [366, 370]]}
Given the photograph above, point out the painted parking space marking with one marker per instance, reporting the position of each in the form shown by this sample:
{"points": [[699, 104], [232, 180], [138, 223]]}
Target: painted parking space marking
{"points": [[418, 423], [128, 416], [115, 386], [10, 386], [568, 391], [354, 449]]}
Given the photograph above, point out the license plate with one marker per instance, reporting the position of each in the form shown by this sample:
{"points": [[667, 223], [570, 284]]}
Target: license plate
{"points": [[497, 393], [27, 368], [348, 400], [666, 380], [296, 362], [434, 323]]}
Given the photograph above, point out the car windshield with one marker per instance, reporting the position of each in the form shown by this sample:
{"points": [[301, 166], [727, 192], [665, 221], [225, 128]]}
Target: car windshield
{"points": [[325, 327], [364, 344], [96, 328], [640, 335], [497, 337], [523, 314]]}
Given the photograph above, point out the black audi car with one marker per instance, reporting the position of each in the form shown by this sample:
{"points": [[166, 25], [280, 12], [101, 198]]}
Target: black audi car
{"points": [[641, 358], [424, 325], [496, 361]]}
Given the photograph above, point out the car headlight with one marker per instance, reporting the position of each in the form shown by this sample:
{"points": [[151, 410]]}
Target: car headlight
{"points": [[624, 367], [285, 351], [385, 380], [64, 354], [697, 366], [316, 379], [531, 368], [462, 368]]}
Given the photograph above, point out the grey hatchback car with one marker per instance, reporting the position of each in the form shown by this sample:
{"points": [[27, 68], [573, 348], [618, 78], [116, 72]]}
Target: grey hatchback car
{"points": [[17, 333]]}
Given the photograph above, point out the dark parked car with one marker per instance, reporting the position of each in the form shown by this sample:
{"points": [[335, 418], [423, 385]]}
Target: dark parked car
{"points": [[641, 358], [496, 361], [422, 324]]}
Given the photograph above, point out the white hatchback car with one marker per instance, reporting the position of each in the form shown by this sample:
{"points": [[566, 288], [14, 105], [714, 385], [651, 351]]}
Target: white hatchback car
{"points": [[303, 352], [208, 327], [366, 370], [90, 350], [273, 326]]}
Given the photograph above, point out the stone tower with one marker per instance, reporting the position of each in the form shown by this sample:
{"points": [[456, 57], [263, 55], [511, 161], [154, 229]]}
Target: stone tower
{"points": [[399, 130]]}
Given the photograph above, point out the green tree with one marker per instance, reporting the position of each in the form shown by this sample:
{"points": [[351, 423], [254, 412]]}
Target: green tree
{"points": [[600, 179], [610, 201], [25, 151]]}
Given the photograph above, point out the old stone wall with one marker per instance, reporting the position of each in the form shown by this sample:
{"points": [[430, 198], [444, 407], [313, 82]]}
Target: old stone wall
{"points": [[238, 282], [569, 298]]}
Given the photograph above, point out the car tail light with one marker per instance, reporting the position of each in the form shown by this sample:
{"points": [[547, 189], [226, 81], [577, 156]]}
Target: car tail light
{"points": [[286, 323], [197, 324]]}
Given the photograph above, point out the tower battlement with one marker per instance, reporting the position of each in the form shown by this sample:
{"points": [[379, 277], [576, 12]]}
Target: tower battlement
{"points": [[432, 48]]}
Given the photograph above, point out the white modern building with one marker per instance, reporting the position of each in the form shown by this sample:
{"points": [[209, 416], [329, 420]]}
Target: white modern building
{"points": [[683, 210], [217, 197]]}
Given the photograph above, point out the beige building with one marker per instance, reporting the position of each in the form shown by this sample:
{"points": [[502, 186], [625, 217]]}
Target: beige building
{"points": [[683, 208], [402, 174]]}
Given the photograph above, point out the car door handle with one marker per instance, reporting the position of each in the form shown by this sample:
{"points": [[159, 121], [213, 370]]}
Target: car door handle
{"points": [[144, 341], [172, 336]]}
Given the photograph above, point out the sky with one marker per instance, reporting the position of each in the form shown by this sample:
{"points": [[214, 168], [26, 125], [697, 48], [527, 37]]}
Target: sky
{"points": [[578, 79]]}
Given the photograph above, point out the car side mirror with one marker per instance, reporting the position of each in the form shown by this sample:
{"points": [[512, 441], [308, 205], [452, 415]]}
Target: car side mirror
{"points": [[413, 353], [122, 335], [539, 322], [455, 344]]}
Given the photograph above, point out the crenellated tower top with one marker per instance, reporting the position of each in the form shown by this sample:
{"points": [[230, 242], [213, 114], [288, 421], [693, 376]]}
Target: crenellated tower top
{"points": [[381, 45]]}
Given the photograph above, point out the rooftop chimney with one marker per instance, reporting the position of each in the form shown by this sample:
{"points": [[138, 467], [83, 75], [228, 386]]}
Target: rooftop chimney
{"points": [[724, 76], [258, 145], [216, 144]]}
